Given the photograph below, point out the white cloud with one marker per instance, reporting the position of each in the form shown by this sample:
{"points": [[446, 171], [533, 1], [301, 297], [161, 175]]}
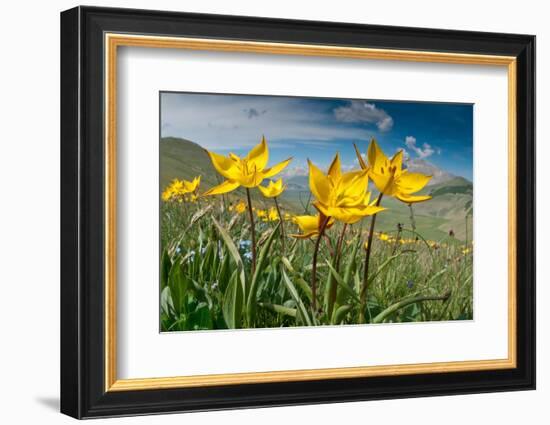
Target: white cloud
{"points": [[425, 151], [360, 111], [299, 170], [233, 122]]}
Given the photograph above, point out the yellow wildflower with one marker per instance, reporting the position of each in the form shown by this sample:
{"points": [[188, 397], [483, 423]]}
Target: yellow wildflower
{"points": [[273, 189], [340, 195], [273, 215], [240, 207], [384, 237], [310, 225], [177, 189], [249, 171], [389, 176], [192, 186]]}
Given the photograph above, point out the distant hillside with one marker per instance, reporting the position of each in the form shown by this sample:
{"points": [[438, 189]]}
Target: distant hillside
{"points": [[183, 159], [422, 166], [451, 195]]}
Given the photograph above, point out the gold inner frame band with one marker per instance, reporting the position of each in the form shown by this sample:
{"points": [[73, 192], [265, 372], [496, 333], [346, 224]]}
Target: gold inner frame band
{"points": [[113, 41]]}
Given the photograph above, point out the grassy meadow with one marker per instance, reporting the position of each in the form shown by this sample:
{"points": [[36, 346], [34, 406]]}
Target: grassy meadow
{"points": [[419, 269]]}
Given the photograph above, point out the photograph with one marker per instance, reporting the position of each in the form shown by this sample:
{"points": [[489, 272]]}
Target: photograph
{"points": [[287, 210], [281, 211]]}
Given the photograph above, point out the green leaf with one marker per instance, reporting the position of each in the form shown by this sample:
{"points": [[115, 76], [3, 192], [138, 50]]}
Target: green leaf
{"points": [[199, 319], [166, 304], [178, 285], [233, 302], [165, 266], [300, 282], [224, 273], [276, 308], [340, 314], [233, 251], [342, 284], [260, 265], [301, 308], [350, 267], [385, 264], [407, 301]]}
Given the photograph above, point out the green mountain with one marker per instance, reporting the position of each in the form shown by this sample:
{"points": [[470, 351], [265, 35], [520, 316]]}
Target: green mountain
{"points": [[183, 159], [451, 196]]}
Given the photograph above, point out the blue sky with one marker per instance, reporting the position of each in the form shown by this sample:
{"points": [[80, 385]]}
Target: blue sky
{"points": [[317, 128]]}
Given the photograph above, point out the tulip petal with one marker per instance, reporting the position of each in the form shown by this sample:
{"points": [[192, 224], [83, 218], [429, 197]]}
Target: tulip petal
{"points": [[383, 183], [252, 180], [335, 169], [397, 162], [224, 165], [376, 157], [411, 182], [276, 169], [362, 162], [307, 223], [304, 236], [259, 155], [226, 186], [268, 191], [412, 199], [356, 187], [319, 184]]}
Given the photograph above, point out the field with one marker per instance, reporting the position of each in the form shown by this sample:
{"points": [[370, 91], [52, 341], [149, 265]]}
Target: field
{"points": [[420, 266]]}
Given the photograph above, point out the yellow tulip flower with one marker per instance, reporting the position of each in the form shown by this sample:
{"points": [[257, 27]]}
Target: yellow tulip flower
{"points": [[342, 196], [249, 171], [240, 207], [192, 186], [310, 225], [174, 190], [389, 176], [273, 215], [384, 237], [273, 189], [179, 188]]}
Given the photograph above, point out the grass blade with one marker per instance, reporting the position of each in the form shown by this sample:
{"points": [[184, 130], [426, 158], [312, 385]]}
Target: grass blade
{"points": [[407, 301], [341, 282], [281, 309], [262, 259], [301, 308], [233, 251], [340, 313], [233, 302], [300, 282]]}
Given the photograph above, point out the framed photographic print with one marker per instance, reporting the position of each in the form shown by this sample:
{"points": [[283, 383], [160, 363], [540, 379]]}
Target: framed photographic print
{"points": [[262, 212]]}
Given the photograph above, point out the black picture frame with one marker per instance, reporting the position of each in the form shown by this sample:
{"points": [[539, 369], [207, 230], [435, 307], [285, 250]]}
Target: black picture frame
{"points": [[82, 212]]}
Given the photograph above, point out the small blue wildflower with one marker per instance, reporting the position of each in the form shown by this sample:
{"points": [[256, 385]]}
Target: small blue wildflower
{"points": [[244, 244], [410, 284], [248, 255], [178, 250]]}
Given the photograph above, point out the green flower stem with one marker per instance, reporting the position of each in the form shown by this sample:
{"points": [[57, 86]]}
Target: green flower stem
{"points": [[339, 246], [363, 295], [252, 230], [314, 266], [282, 227], [333, 284], [411, 216]]}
